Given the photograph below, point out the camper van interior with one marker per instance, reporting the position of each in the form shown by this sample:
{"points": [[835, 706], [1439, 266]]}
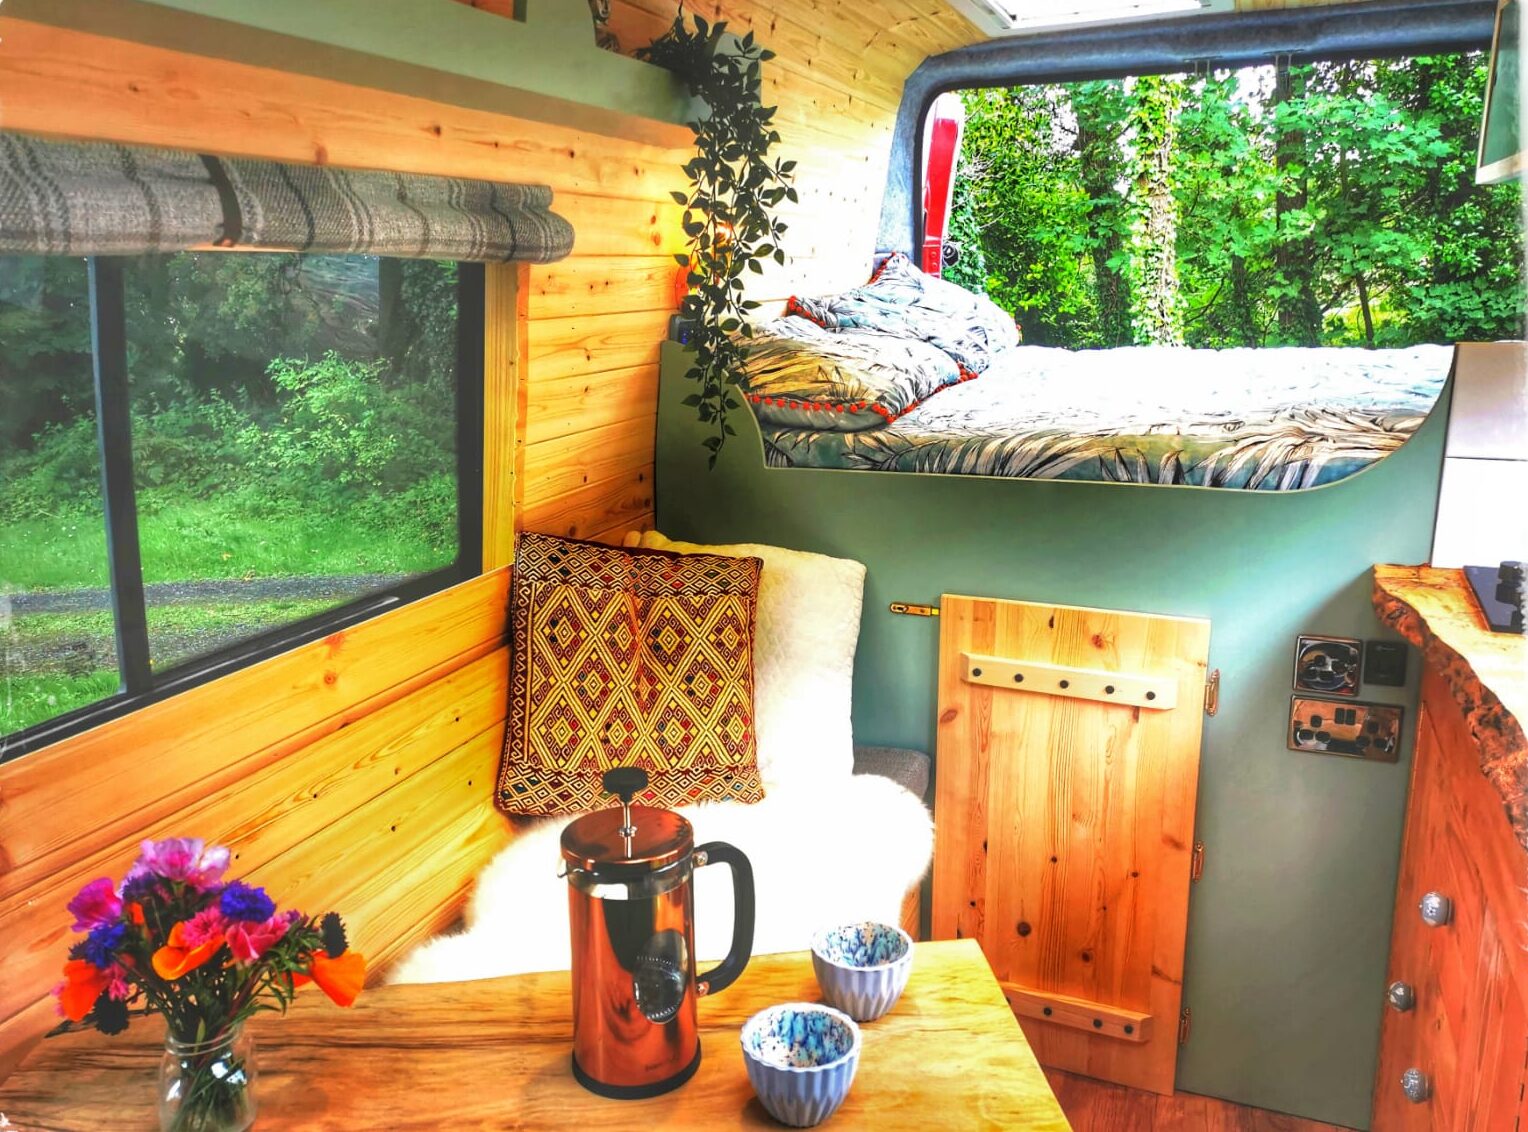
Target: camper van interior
{"points": [[925, 564]]}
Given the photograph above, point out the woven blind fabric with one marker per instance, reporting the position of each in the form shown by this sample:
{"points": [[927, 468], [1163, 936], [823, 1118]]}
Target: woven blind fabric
{"points": [[94, 198]]}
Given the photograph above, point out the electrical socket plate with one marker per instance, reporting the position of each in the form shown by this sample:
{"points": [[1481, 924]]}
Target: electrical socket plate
{"points": [[1357, 730], [1328, 666]]}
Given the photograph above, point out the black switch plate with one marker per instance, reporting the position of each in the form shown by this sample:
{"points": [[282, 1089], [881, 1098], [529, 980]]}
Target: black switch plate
{"points": [[1385, 663]]}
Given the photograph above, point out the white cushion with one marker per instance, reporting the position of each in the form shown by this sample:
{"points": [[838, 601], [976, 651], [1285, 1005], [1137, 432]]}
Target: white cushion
{"points": [[803, 658]]}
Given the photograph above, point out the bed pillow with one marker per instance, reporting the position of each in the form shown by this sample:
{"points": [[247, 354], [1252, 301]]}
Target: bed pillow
{"points": [[902, 301], [625, 657], [809, 618], [799, 375]]}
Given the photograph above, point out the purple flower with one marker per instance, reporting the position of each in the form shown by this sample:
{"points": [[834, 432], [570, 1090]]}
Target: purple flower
{"points": [[97, 903], [100, 946], [242, 902], [185, 859]]}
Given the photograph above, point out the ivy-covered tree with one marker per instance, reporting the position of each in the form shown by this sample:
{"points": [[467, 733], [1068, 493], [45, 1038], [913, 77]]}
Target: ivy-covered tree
{"points": [[1325, 204]]}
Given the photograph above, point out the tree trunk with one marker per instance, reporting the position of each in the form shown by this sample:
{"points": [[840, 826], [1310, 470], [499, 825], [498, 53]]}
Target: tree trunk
{"points": [[1243, 312], [1299, 316], [394, 322], [1156, 315], [1363, 305], [1099, 159]]}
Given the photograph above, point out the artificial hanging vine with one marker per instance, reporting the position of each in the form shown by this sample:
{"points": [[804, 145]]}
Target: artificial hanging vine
{"points": [[729, 208]]}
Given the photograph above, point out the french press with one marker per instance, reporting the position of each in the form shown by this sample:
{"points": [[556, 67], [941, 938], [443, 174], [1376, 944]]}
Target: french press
{"points": [[631, 909]]}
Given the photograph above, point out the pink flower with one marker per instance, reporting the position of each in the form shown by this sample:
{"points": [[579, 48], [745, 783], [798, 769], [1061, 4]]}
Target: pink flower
{"points": [[206, 926], [181, 859], [250, 941], [119, 988], [96, 904]]}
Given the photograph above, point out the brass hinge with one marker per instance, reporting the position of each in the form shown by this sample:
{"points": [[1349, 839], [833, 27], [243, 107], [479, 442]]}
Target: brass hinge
{"points": [[1196, 862], [1212, 692], [914, 610], [1185, 1024]]}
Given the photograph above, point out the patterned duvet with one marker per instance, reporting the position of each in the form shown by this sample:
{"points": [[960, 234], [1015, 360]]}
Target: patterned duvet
{"points": [[1269, 420]]}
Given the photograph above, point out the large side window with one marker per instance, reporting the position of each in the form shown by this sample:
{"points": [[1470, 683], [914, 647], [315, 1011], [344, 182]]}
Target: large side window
{"points": [[289, 443], [1320, 204]]}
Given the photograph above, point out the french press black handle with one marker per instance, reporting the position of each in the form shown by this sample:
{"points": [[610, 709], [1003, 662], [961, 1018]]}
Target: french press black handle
{"points": [[626, 782], [723, 976]]}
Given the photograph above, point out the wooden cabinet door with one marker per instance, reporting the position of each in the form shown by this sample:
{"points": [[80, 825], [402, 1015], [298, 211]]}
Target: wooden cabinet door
{"points": [[1468, 1032], [1068, 763]]}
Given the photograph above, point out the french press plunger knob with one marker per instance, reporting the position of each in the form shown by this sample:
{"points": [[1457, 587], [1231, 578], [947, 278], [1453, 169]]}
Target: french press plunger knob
{"points": [[625, 782]]}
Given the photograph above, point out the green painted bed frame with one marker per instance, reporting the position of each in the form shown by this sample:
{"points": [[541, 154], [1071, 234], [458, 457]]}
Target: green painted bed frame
{"points": [[1290, 926]]}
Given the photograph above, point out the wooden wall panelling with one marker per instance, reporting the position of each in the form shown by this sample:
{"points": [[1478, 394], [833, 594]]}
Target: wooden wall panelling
{"points": [[266, 759], [160, 759], [506, 294], [283, 805]]}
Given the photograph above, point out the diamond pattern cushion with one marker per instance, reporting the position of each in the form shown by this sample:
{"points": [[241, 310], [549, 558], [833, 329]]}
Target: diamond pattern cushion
{"points": [[809, 619], [628, 658]]}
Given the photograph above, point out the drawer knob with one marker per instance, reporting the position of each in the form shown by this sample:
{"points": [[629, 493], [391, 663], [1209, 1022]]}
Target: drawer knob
{"points": [[1401, 996], [1416, 1086], [1436, 909]]}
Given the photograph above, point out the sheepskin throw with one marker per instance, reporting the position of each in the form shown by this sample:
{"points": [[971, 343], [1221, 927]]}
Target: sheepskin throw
{"points": [[91, 198], [521, 886], [628, 658]]}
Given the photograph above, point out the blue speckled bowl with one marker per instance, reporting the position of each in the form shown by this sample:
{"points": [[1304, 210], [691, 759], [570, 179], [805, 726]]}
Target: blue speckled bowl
{"points": [[862, 968], [801, 1059]]}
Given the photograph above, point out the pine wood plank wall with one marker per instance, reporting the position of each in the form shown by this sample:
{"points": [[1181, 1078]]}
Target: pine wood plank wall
{"points": [[355, 772]]}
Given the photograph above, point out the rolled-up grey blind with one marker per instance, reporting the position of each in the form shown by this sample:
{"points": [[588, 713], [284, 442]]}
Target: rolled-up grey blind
{"points": [[87, 198]]}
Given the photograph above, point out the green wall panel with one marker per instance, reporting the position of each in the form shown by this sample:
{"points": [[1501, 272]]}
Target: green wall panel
{"points": [[1289, 928]]}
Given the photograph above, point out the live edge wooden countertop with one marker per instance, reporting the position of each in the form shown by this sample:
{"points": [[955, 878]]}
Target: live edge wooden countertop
{"points": [[495, 1054], [1487, 672]]}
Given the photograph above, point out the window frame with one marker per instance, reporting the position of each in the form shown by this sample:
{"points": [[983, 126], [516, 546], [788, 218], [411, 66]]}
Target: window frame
{"points": [[139, 685]]}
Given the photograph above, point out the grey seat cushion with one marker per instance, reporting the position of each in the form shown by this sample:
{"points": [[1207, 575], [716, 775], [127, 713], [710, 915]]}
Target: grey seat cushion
{"points": [[907, 768]]}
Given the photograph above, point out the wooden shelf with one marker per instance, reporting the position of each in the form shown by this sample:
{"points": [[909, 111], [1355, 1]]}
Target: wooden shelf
{"points": [[1487, 672]]}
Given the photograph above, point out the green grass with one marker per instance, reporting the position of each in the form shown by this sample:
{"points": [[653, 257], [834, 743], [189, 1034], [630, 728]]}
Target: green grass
{"points": [[193, 540], [31, 700], [182, 540]]}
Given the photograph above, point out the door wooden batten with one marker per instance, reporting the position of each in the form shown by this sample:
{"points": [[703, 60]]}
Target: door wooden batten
{"points": [[1064, 820]]}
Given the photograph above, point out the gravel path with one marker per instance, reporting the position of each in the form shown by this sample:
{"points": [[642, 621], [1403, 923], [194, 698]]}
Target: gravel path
{"points": [[83, 652], [232, 590]]}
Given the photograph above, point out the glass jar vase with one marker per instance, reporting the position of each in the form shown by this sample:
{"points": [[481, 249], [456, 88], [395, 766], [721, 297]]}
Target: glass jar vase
{"points": [[208, 1086]]}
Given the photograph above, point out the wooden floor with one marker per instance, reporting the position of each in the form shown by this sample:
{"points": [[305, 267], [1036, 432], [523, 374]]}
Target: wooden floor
{"points": [[1096, 1106]]}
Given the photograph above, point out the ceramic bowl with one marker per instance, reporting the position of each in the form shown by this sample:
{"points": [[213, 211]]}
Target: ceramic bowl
{"points": [[801, 1058], [862, 968]]}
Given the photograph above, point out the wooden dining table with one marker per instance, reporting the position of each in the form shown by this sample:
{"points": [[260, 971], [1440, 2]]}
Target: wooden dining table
{"points": [[494, 1053]]}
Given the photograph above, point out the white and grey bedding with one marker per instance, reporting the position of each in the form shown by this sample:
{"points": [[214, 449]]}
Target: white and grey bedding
{"points": [[1265, 419]]}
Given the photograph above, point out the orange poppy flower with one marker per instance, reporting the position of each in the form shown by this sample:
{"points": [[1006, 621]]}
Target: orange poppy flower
{"points": [[82, 985], [341, 979], [175, 959]]}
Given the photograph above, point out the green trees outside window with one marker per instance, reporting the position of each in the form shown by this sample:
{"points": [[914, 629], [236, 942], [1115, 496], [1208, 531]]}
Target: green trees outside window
{"points": [[1321, 204], [294, 444]]}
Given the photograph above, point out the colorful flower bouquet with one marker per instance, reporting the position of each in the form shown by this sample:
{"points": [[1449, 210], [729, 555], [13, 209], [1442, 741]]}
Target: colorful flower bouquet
{"points": [[174, 938]]}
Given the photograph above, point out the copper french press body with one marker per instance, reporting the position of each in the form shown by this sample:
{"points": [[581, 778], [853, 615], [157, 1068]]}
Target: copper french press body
{"points": [[631, 909]]}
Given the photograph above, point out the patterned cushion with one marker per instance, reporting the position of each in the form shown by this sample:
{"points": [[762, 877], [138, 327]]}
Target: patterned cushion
{"points": [[799, 375], [628, 658], [808, 630], [904, 302]]}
